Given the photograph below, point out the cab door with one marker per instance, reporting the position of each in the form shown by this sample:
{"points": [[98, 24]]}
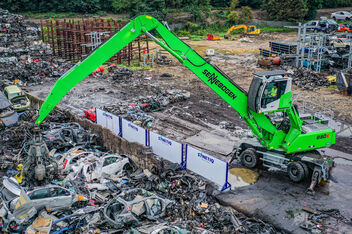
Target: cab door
{"points": [[251, 29]]}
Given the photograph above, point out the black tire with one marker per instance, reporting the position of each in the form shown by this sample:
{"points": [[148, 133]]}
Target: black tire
{"points": [[249, 158], [306, 170], [334, 18], [295, 171], [347, 19]]}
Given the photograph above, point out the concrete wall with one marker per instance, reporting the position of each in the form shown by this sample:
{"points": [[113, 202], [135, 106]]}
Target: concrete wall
{"points": [[276, 24], [141, 155]]}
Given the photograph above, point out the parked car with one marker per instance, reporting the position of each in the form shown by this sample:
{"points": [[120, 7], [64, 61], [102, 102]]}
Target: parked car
{"points": [[328, 25], [340, 43], [341, 15], [17, 98], [322, 25], [345, 28], [312, 25], [8, 117]]}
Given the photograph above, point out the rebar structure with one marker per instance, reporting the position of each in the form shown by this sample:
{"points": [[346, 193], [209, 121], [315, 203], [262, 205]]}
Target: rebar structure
{"points": [[75, 39]]}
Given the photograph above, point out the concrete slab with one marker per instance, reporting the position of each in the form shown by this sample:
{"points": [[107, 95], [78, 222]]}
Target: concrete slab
{"points": [[274, 196], [215, 140]]}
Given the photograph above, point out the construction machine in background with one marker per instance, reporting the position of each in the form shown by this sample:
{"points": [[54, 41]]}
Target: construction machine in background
{"points": [[213, 37], [281, 139], [248, 30]]}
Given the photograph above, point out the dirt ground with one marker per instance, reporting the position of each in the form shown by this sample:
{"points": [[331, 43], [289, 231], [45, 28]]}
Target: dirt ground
{"points": [[197, 121]]}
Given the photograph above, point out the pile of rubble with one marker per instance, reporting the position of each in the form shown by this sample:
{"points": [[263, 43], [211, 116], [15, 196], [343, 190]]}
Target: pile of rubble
{"points": [[309, 80], [23, 56], [136, 109], [20, 39], [33, 71], [88, 190]]}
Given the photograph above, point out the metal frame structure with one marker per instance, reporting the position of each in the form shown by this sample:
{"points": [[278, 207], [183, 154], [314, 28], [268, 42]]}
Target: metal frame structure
{"points": [[95, 39], [312, 45], [75, 39]]}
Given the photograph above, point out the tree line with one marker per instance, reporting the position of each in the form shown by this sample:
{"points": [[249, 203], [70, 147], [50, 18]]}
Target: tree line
{"points": [[292, 10]]}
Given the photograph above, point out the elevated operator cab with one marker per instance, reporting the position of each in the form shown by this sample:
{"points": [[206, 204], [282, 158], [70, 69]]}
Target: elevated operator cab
{"points": [[270, 91]]}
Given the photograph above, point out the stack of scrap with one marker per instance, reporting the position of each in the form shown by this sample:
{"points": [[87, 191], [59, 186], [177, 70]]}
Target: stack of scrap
{"points": [[100, 192], [309, 80], [282, 48], [20, 39], [277, 49], [23, 56]]}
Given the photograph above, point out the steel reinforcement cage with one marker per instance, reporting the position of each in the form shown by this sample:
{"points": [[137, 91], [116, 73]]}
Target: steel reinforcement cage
{"points": [[71, 39]]}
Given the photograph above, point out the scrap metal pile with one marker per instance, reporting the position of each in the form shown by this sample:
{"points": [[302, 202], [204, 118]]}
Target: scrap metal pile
{"points": [[136, 109], [23, 56], [69, 184], [309, 80]]}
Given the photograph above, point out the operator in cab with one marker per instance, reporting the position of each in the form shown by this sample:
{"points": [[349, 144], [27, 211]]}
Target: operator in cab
{"points": [[273, 92]]}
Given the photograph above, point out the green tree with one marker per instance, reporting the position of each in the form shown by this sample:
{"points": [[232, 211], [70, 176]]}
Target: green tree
{"points": [[313, 6], [288, 10], [220, 3], [233, 5], [119, 6], [233, 17], [255, 4], [246, 14], [336, 3]]}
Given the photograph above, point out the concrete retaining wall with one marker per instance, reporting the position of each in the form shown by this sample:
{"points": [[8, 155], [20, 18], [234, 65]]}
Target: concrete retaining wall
{"points": [[141, 155]]}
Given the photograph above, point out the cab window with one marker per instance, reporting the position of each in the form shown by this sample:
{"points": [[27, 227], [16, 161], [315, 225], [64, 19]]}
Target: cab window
{"points": [[273, 92]]}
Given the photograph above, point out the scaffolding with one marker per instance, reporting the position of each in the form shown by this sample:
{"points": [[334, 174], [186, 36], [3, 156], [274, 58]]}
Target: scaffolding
{"points": [[314, 50], [95, 39]]}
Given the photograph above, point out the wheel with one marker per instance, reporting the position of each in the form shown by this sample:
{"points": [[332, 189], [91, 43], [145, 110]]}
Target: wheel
{"points": [[347, 19], [249, 158], [306, 170], [334, 18], [295, 171]]}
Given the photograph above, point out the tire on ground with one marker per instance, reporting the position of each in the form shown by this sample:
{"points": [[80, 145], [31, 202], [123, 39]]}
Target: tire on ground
{"points": [[249, 158], [306, 170], [296, 171]]}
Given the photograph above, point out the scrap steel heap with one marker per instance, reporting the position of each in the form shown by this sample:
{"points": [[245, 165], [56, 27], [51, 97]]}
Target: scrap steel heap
{"points": [[23, 56]]}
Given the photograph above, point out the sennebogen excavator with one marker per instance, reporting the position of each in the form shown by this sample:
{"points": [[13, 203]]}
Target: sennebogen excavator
{"points": [[286, 143]]}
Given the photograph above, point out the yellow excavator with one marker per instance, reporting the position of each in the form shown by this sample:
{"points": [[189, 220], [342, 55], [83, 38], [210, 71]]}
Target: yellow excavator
{"points": [[248, 30]]}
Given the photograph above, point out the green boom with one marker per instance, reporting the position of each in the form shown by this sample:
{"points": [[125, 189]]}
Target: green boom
{"points": [[267, 134]]}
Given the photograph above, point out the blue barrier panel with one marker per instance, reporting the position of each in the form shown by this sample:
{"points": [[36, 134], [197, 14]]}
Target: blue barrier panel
{"points": [[134, 133], [165, 147], [108, 120], [207, 166]]}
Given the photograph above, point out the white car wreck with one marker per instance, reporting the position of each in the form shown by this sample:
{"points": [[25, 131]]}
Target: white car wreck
{"points": [[94, 168]]}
